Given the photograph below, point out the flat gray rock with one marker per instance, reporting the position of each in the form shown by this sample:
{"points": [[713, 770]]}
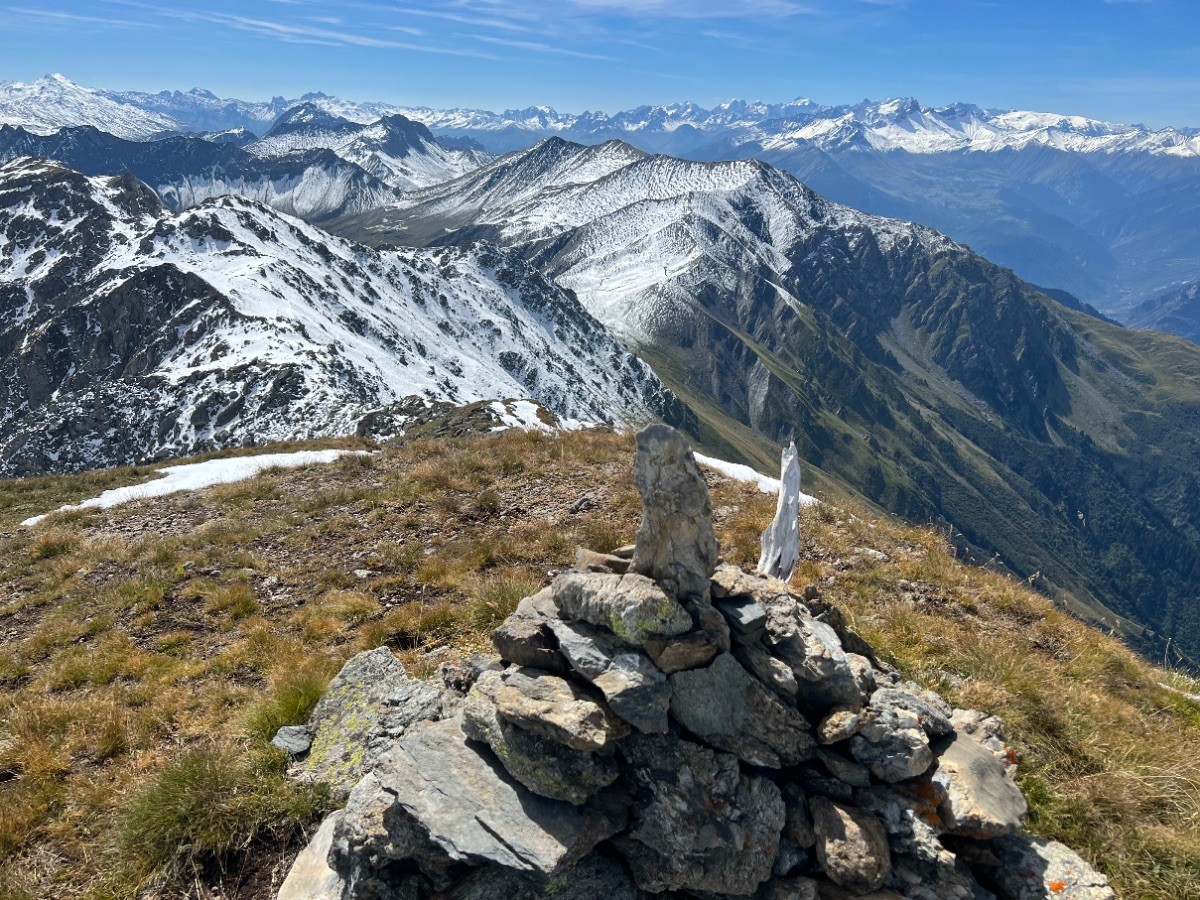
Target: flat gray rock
{"points": [[525, 639], [1035, 869], [545, 766], [470, 807], [294, 739], [310, 877], [982, 800], [636, 689], [699, 823], [728, 708], [935, 721]]}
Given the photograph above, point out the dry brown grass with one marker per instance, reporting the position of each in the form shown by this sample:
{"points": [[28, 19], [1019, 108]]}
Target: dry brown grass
{"points": [[151, 651]]}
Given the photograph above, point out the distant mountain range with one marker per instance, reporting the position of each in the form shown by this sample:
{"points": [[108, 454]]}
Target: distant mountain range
{"points": [[1105, 211]]}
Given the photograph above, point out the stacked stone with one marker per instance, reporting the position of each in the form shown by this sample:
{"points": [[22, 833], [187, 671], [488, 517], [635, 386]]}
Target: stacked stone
{"points": [[658, 724]]}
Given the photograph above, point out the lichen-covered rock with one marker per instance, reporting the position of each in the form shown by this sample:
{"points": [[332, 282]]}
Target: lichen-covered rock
{"points": [[729, 709], [636, 689], [675, 544], [368, 704], [892, 744], [558, 709], [470, 807], [545, 766], [632, 607], [699, 823], [852, 846], [1032, 868], [982, 800]]}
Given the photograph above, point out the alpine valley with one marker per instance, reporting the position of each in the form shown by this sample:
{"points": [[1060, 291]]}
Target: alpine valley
{"points": [[177, 282]]}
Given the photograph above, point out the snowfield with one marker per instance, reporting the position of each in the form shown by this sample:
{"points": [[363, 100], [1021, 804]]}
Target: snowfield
{"points": [[197, 476]]}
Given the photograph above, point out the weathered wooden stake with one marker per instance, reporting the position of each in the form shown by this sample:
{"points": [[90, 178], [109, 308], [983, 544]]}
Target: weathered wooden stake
{"points": [[781, 541]]}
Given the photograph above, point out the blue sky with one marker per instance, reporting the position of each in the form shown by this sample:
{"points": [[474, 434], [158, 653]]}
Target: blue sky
{"points": [[1124, 60]]}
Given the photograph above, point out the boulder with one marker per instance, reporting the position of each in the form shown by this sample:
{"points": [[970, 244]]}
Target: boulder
{"points": [[675, 543], [982, 800], [368, 704], [464, 801], [557, 709], [729, 709], [824, 675], [545, 766], [525, 638], [892, 744], [1032, 868], [699, 823], [632, 607], [636, 689], [770, 670], [852, 846]]}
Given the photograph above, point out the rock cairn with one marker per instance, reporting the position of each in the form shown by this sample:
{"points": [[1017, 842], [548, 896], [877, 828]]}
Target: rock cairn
{"points": [[659, 724]]}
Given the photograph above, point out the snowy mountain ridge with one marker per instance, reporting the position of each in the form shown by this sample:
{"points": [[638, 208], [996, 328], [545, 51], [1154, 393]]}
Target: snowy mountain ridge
{"points": [[230, 323], [898, 123]]}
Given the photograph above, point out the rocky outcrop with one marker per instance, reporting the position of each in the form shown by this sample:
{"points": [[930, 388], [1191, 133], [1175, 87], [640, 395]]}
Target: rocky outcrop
{"points": [[682, 729]]}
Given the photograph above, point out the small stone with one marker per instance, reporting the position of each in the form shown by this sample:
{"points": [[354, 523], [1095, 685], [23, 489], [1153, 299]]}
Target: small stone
{"points": [[864, 673], [892, 744], [547, 705], [852, 846], [798, 827], [814, 652], [982, 801], [844, 770], [591, 561], [295, 739], [691, 651], [460, 674], [625, 551], [630, 606], [771, 671], [545, 766], [839, 724], [675, 544], [745, 615], [933, 720], [636, 690], [729, 709], [798, 888]]}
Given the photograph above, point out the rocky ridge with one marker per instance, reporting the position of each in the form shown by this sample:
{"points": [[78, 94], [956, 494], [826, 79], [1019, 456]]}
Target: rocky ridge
{"points": [[657, 722]]}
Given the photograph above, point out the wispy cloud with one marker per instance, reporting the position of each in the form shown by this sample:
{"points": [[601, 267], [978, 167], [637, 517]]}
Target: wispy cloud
{"points": [[537, 47], [65, 18]]}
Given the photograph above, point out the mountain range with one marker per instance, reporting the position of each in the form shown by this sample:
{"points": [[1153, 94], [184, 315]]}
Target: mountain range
{"points": [[907, 366], [131, 333], [1106, 211]]}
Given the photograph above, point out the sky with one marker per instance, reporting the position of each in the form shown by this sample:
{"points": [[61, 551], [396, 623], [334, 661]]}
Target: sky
{"points": [[1120, 60]]}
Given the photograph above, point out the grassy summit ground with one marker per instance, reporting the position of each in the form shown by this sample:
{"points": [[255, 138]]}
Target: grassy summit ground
{"points": [[148, 653]]}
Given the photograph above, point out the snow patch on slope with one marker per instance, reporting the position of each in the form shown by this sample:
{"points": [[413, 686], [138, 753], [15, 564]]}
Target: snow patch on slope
{"points": [[197, 476]]}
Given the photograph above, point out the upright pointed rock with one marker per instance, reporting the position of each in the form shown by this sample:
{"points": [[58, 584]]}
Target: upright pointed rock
{"points": [[675, 543], [781, 540]]}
